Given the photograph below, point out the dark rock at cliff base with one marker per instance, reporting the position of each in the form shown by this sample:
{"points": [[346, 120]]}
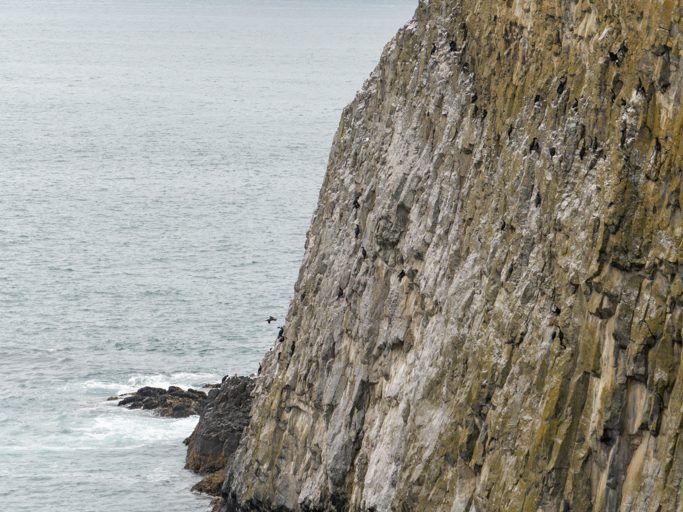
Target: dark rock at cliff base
{"points": [[173, 402], [220, 426], [218, 433]]}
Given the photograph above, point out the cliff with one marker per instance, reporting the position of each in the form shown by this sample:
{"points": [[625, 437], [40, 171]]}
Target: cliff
{"points": [[488, 315]]}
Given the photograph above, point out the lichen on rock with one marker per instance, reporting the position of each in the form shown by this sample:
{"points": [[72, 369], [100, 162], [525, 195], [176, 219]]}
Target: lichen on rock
{"points": [[502, 329]]}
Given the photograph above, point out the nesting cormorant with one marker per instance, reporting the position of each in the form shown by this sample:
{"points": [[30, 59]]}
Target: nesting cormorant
{"points": [[281, 333], [561, 85], [363, 252], [535, 146], [641, 89], [623, 49], [357, 230]]}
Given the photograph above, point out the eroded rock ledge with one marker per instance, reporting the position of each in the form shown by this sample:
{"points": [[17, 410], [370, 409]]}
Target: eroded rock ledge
{"points": [[223, 415]]}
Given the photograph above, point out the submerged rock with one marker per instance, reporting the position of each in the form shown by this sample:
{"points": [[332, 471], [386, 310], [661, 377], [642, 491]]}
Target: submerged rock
{"points": [[173, 402]]}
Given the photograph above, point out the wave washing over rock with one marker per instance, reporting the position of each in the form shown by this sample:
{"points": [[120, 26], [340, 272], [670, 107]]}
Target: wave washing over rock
{"points": [[488, 316]]}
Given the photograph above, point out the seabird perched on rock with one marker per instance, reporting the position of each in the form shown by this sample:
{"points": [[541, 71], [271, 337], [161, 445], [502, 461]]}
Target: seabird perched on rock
{"points": [[357, 230], [281, 334], [623, 49], [340, 292], [271, 319], [535, 146], [363, 252], [356, 204], [561, 85]]}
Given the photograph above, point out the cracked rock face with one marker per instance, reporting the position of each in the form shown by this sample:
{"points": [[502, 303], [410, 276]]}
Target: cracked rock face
{"points": [[488, 316]]}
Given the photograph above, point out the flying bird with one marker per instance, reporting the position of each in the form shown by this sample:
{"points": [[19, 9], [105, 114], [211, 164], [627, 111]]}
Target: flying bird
{"points": [[271, 319]]}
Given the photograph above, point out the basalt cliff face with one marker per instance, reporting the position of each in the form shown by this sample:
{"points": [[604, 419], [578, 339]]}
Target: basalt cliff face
{"points": [[488, 316]]}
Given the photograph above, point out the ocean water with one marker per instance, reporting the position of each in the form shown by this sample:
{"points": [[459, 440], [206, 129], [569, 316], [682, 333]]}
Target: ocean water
{"points": [[159, 164]]}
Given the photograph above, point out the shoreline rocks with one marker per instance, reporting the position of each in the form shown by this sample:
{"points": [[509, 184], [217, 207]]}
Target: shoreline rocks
{"points": [[173, 402], [218, 433], [224, 413]]}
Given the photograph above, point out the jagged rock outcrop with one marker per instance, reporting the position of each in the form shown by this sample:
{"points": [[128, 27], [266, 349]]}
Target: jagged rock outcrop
{"points": [[488, 315], [218, 432], [173, 402]]}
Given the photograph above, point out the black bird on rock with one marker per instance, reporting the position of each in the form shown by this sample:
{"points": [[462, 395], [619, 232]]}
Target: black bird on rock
{"points": [[271, 319], [363, 252], [357, 230], [356, 204]]}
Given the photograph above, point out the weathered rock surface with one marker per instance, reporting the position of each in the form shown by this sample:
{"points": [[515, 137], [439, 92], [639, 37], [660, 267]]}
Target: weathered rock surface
{"points": [[173, 402], [218, 433], [488, 316]]}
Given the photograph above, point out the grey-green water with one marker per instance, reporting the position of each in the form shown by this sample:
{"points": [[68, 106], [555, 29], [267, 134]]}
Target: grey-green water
{"points": [[159, 164]]}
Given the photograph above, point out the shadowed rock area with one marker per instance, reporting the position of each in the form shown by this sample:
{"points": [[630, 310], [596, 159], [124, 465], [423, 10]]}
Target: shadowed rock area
{"points": [[218, 433], [489, 312]]}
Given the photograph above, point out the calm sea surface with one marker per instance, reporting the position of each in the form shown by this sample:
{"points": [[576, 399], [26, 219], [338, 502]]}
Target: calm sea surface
{"points": [[159, 164]]}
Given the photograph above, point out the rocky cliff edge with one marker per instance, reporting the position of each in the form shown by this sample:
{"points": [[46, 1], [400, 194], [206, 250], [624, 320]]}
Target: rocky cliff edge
{"points": [[488, 315]]}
